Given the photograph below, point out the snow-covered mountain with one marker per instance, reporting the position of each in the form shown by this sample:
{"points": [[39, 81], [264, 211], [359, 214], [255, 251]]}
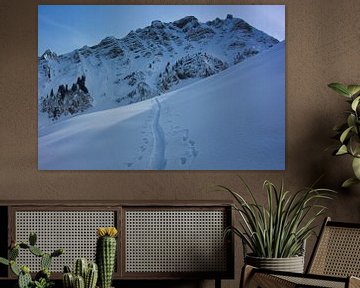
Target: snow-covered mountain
{"points": [[234, 119], [145, 63]]}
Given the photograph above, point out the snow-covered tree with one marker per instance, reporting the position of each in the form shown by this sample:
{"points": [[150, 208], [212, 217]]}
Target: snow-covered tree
{"points": [[66, 101]]}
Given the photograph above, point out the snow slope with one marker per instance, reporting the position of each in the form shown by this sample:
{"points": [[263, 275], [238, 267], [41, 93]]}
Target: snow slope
{"points": [[233, 120]]}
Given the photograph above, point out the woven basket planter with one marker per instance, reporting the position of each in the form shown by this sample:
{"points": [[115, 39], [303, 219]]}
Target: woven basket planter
{"points": [[291, 264]]}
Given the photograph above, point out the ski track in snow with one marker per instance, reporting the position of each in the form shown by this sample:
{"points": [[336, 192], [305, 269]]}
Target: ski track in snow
{"points": [[157, 158], [177, 135]]}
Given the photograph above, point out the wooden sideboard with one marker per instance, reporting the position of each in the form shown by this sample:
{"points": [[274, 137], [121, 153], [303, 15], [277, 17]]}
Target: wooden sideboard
{"points": [[157, 240]]}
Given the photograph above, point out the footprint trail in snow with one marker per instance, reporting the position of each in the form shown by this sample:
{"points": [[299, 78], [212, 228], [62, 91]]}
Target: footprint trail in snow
{"points": [[157, 158]]}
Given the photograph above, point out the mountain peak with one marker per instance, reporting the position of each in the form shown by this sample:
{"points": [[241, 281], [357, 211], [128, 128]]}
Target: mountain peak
{"points": [[187, 21], [157, 24], [229, 16], [108, 39], [48, 54]]}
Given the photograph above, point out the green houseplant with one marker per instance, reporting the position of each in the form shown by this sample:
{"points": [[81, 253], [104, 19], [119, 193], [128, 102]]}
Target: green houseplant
{"points": [[275, 233], [42, 278], [348, 132]]}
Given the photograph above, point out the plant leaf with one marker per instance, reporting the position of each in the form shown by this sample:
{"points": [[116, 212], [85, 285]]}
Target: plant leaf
{"points": [[345, 134], [349, 182], [342, 150], [351, 120], [340, 127], [353, 89], [356, 167], [14, 268], [340, 88], [4, 261], [355, 103], [354, 143]]}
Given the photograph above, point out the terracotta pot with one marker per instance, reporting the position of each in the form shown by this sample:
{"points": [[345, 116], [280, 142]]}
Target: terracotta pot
{"points": [[291, 264]]}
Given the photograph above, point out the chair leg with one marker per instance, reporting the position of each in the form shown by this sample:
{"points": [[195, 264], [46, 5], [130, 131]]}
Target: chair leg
{"points": [[246, 274], [217, 283]]}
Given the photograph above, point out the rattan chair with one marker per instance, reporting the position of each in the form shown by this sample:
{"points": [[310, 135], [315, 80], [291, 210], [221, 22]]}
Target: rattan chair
{"points": [[334, 263]]}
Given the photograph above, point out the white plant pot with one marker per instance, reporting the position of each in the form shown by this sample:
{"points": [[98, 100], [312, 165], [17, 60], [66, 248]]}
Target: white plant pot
{"points": [[291, 264]]}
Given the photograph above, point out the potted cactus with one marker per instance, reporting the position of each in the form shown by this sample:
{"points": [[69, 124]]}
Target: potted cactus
{"points": [[106, 254], [85, 275], [42, 278]]}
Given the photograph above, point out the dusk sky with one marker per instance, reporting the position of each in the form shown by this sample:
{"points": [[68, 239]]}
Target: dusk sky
{"points": [[64, 28]]}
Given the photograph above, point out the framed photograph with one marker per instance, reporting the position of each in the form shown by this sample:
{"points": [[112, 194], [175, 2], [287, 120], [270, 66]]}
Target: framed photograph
{"points": [[161, 87]]}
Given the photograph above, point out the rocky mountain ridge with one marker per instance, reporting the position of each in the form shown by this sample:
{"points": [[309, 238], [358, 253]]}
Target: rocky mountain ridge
{"points": [[150, 61]]}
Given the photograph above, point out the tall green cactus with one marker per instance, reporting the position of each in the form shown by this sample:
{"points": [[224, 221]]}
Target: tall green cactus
{"points": [[106, 254]]}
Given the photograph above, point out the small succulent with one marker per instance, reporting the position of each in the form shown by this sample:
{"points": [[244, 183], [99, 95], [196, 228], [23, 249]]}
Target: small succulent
{"points": [[43, 283]]}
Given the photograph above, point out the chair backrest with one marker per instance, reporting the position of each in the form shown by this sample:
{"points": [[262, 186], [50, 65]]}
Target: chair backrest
{"points": [[337, 251]]}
